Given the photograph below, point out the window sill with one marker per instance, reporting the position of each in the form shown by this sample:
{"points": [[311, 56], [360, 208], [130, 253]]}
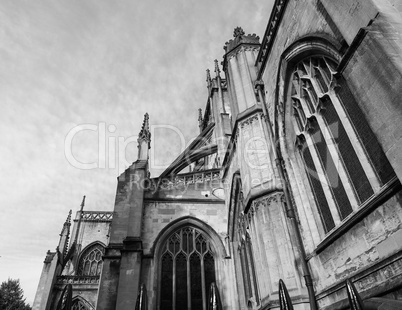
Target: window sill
{"points": [[386, 192]]}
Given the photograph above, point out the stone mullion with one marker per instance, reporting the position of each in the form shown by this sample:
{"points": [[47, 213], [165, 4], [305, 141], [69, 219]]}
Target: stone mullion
{"points": [[188, 283], [336, 157], [174, 283], [323, 180], [204, 295], [355, 141], [333, 150]]}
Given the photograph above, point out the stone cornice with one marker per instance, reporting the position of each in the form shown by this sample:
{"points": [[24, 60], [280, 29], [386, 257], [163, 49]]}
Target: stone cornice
{"points": [[96, 216], [270, 33], [77, 280]]}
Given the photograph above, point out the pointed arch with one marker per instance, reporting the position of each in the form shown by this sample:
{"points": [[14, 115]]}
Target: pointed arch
{"points": [[90, 259], [80, 303], [188, 255], [217, 243], [324, 137]]}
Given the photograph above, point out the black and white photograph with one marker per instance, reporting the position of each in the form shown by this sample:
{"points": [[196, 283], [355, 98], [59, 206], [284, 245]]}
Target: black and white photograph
{"points": [[201, 155]]}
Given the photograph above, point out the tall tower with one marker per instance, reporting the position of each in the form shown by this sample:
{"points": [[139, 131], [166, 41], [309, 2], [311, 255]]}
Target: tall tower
{"points": [[241, 73], [248, 126], [123, 257]]}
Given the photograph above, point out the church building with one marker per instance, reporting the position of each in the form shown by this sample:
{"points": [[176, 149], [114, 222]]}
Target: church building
{"points": [[291, 191]]}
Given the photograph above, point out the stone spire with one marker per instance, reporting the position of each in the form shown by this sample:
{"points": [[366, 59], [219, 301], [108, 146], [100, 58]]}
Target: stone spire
{"points": [[79, 219], [67, 223], [83, 203], [209, 80], [217, 71], [144, 133], [144, 139], [65, 235]]}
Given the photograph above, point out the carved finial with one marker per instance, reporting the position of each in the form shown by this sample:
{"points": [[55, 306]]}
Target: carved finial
{"points": [[200, 115], [68, 220], [200, 120], [208, 77], [217, 71], [66, 225], [145, 133], [83, 203], [238, 32], [65, 232], [79, 219]]}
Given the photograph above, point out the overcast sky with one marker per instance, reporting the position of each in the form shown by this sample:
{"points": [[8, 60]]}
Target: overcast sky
{"points": [[99, 65]]}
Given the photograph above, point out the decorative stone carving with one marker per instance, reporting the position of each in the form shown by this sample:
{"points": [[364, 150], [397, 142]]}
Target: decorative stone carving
{"points": [[238, 32], [145, 134], [97, 216], [77, 280]]}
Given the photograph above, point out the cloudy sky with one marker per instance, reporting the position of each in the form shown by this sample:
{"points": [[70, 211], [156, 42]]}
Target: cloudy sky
{"points": [[76, 78]]}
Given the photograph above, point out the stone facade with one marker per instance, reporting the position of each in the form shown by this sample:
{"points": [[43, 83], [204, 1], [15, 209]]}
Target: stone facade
{"points": [[295, 176]]}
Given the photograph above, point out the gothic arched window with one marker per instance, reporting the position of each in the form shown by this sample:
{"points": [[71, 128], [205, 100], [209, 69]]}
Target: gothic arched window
{"points": [[79, 305], [187, 270], [91, 261], [343, 159]]}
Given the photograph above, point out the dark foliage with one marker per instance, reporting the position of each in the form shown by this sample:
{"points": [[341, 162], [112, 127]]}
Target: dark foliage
{"points": [[12, 296]]}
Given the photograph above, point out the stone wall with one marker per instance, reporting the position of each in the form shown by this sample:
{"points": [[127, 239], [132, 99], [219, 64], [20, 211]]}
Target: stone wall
{"points": [[373, 73]]}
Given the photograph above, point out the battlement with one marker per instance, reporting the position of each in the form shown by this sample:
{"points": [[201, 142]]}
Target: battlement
{"points": [[240, 38]]}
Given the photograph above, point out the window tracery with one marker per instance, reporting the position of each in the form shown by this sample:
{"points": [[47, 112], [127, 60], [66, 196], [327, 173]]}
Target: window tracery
{"points": [[187, 270], [91, 261], [343, 160], [79, 305]]}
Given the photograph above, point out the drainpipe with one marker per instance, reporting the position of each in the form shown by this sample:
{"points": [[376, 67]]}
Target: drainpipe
{"points": [[290, 212]]}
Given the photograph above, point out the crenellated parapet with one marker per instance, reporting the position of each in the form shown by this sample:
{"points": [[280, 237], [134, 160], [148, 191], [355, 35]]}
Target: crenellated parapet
{"points": [[240, 70], [240, 38]]}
